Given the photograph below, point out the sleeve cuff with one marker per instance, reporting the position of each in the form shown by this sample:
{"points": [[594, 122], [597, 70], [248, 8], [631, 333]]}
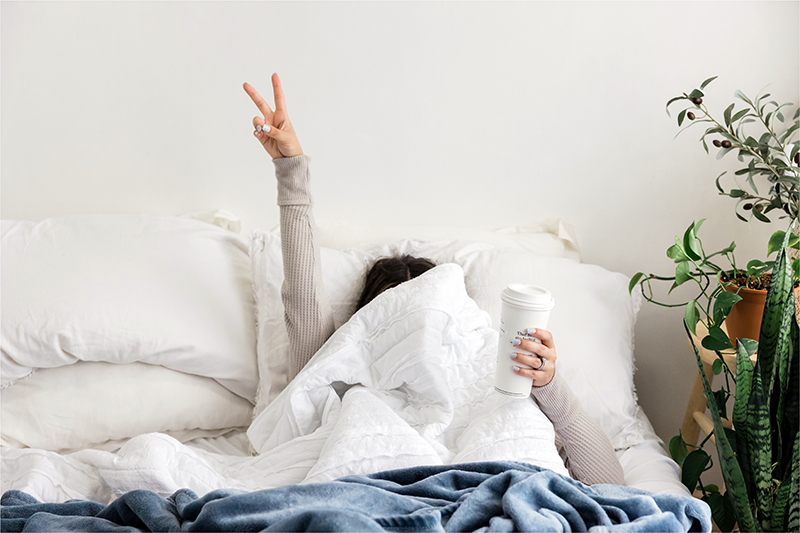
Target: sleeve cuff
{"points": [[293, 180]]}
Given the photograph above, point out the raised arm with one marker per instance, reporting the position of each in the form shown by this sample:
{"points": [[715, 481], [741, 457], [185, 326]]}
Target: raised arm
{"points": [[590, 457], [307, 310]]}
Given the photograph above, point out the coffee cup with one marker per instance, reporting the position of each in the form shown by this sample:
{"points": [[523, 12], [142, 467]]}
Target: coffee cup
{"points": [[523, 307]]}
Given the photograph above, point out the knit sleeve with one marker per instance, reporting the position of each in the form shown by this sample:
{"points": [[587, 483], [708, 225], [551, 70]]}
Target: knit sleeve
{"points": [[590, 457], [307, 310]]}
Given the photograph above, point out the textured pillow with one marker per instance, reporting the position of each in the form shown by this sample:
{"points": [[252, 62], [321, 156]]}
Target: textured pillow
{"points": [[100, 405], [121, 289], [592, 322]]}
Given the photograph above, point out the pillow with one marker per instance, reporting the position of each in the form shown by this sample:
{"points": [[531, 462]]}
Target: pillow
{"points": [[552, 237], [593, 333], [100, 405], [121, 289]]}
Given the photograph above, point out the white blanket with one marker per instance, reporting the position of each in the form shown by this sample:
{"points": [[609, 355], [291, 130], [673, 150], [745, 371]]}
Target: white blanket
{"points": [[415, 370]]}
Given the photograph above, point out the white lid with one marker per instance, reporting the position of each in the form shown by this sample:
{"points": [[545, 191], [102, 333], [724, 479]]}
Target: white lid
{"points": [[528, 296]]}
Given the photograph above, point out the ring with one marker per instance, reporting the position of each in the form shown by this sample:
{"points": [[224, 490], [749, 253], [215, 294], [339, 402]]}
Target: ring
{"points": [[543, 363]]}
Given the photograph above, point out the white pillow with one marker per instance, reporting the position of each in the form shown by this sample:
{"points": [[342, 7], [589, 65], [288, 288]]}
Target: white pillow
{"points": [[122, 288], [99, 405], [552, 237], [592, 322]]}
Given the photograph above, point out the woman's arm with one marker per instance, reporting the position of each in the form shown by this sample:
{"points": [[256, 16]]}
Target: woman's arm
{"points": [[307, 310], [590, 457]]}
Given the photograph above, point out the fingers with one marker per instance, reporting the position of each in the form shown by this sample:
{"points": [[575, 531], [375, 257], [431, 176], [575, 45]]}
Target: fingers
{"points": [[261, 104], [543, 335], [258, 121], [277, 90]]}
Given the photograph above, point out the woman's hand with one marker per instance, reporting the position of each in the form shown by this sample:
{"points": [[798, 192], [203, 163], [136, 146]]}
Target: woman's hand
{"points": [[544, 359], [273, 129]]}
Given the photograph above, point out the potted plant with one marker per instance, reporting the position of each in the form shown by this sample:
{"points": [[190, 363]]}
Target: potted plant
{"points": [[772, 156], [758, 448]]}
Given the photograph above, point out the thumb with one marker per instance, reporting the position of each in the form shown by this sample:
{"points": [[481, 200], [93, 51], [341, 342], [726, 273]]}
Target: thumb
{"points": [[286, 140]]}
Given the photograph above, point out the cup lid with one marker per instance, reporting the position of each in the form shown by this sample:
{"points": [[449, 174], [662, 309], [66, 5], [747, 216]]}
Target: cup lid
{"points": [[528, 296]]}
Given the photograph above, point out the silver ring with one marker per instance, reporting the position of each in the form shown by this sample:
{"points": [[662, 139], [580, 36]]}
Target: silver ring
{"points": [[544, 361]]}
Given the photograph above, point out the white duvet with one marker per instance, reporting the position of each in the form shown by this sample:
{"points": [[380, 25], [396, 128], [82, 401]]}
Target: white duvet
{"points": [[407, 381]]}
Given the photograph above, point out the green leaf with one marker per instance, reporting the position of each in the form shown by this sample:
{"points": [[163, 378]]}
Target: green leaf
{"points": [[717, 366], [709, 80], [729, 249], [729, 466], [682, 275], [718, 185], [711, 488], [744, 386], [673, 100], [693, 465], [716, 340], [759, 442], [740, 94], [723, 152], [677, 449], [760, 216], [776, 240], [675, 252], [780, 512], [756, 267], [697, 93], [690, 244], [727, 115], [680, 117], [737, 193], [723, 304], [691, 316], [739, 115], [634, 280]]}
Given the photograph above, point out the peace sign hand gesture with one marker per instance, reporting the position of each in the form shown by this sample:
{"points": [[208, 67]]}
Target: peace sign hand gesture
{"points": [[274, 130]]}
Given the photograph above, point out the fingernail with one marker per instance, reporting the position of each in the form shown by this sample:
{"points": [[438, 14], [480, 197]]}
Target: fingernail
{"points": [[516, 368], [531, 331], [267, 128], [258, 128], [513, 356], [516, 342]]}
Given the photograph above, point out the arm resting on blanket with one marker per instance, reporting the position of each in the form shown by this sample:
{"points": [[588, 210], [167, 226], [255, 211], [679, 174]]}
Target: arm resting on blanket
{"points": [[590, 457], [308, 313]]}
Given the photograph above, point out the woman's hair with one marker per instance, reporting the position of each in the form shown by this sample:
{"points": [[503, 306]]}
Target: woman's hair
{"points": [[390, 272]]}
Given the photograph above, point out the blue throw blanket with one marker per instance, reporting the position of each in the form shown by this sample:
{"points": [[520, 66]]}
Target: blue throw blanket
{"points": [[491, 496]]}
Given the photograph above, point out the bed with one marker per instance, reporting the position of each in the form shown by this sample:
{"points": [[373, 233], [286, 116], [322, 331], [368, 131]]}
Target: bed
{"points": [[150, 353]]}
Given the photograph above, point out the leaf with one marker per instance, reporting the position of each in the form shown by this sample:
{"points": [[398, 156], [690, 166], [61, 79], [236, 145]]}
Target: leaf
{"points": [[722, 399], [780, 513], [716, 340], [717, 366], [697, 93], [727, 115], [731, 471], [691, 316], [690, 244], [675, 252], [776, 241], [760, 216], [723, 304], [759, 441], [718, 185], [682, 275], [677, 449], [739, 94], [723, 152], [737, 193], [634, 280], [673, 100], [744, 386], [709, 80], [680, 117], [739, 115], [756, 267], [693, 465]]}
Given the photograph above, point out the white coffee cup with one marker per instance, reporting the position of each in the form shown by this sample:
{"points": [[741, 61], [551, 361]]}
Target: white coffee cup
{"points": [[523, 307]]}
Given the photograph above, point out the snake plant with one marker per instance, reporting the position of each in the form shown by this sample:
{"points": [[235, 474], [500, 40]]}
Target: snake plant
{"points": [[760, 456]]}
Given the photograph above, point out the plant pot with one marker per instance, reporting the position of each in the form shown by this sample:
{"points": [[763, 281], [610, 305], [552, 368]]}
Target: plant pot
{"points": [[744, 320]]}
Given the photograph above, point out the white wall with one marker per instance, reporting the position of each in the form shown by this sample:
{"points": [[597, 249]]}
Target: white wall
{"points": [[470, 114]]}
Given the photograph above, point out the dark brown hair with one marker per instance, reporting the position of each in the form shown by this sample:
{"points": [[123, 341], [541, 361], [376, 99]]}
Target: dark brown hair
{"points": [[390, 272]]}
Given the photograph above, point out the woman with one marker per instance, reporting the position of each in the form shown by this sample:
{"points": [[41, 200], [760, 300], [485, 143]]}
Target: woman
{"points": [[587, 452]]}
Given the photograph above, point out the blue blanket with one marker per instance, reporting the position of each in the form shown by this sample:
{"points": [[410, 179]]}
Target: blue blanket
{"points": [[491, 496]]}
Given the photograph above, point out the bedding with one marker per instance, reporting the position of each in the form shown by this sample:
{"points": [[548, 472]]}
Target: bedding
{"points": [[490, 496], [592, 322], [122, 289]]}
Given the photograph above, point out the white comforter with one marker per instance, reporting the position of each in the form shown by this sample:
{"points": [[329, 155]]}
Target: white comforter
{"points": [[415, 371]]}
